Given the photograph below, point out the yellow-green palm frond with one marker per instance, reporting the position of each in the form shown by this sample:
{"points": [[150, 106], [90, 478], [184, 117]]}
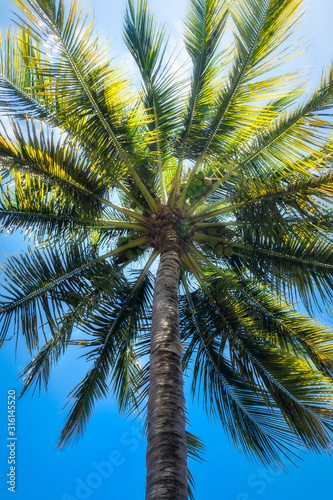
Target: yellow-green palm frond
{"points": [[94, 96], [283, 145], [161, 92], [304, 188], [204, 27], [36, 152], [21, 76], [260, 26]]}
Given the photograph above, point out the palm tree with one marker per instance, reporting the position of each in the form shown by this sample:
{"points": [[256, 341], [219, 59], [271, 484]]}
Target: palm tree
{"points": [[222, 177]]}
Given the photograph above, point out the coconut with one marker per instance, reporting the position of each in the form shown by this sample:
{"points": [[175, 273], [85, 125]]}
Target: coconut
{"points": [[206, 248], [129, 254], [228, 251]]}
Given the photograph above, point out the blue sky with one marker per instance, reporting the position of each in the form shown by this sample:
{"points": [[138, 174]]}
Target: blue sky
{"points": [[109, 461]]}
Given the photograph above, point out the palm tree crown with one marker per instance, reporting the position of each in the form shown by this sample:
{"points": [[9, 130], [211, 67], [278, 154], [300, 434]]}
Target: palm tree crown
{"points": [[223, 175]]}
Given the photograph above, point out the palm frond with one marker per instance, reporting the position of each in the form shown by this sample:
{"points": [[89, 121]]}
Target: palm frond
{"points": [[41, 283], [204, 27], [195, 450], [253, 359], [284, 143], [306, 338], [21, 73], [148, 45], [94, 94], [260, 27], [113, 328], [36, 374], [38, 153]]}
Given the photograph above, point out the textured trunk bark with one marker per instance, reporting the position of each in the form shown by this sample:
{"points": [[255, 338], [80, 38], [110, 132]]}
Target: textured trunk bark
{"points": [[167, 472]]}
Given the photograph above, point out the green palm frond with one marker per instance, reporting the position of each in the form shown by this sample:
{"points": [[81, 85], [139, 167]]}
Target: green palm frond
{"points": [[301, 130], [195, 450], [300, 264], [41, 221], [22, 76], [148, 45], [46, 280], [59, 164], [34, 206], [283, 233], [26, 89], [21, 73], [311, 341], [230, 338], [307, 178], [113, 328], [240, 408], [204, 28], [260, 25], [36, 374], [298, 193], [280, 146], [297, 264], [100, 102], [39, 153]]}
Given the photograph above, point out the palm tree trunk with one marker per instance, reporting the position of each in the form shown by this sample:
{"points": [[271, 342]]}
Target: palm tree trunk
{"points": [[167, 471]]}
